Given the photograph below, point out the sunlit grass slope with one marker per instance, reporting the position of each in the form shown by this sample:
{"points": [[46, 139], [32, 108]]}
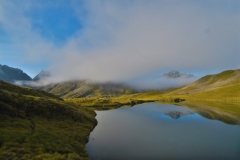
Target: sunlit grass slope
{"points": [[222, 93], [38, 125], [100, 103], [224, 86]]}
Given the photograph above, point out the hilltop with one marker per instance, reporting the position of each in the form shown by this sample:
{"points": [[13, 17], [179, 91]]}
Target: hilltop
{"points": [[38, 125]]}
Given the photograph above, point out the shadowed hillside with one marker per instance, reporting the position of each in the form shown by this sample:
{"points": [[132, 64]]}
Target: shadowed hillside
{"points": [[38, 125]]}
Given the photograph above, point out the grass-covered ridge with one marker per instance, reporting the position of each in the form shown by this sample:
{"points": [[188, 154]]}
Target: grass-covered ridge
{"points": [[38, 125], [209, 82]]}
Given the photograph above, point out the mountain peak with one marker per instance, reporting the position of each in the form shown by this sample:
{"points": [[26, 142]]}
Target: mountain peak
{"points": [[41, 75], [177, 74], [178, 114], [10, 74]]}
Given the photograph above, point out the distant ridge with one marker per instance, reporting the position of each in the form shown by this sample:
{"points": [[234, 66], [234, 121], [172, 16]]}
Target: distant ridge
{"points": [[177, 74], [81, 88], [11, 75]]}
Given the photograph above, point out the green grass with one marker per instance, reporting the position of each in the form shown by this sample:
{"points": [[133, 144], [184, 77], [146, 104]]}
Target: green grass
{"points": [[229, 93], [211, 79], [38, 137], [39, 125], [100, 103]]}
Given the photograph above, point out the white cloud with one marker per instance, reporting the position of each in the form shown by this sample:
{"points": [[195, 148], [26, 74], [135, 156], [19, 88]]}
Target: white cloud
{"points": [[121, 40], [151, 38], [161, 83], [14, 20]]}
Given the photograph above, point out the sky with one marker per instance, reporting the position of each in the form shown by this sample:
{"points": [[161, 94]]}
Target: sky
{"points": [[112, 40]]}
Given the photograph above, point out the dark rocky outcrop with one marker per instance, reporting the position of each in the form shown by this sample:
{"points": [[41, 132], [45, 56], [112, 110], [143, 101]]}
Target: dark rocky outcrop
{"points": [[177, 100]]}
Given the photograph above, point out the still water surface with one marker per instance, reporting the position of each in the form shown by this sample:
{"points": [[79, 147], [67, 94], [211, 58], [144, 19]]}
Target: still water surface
{"points": [[161, 131]]}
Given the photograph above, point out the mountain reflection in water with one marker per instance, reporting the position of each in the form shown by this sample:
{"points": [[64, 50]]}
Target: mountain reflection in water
{"points": [[177, 114], [161, 131]]}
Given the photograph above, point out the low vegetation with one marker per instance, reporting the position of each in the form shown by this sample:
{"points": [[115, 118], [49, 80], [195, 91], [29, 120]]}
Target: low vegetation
{"points": [[38, 125], [106, 103]]}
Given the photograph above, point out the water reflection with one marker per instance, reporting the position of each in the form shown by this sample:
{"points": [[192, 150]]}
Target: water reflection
{"points": [[177, 114], [161, 131], [225, 112]]}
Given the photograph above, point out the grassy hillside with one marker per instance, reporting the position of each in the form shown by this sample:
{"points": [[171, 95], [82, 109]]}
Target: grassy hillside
{"points": [[38, 125], [222, 93], [224, 79], [77, 89]]}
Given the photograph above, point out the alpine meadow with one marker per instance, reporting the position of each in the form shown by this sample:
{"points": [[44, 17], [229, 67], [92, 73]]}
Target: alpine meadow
{"points": [[113, 80]]}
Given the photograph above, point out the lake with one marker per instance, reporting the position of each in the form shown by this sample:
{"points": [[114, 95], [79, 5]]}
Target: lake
{"points": [[153, 131]]}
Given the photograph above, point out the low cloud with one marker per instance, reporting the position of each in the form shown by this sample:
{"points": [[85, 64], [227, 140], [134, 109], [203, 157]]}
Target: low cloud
{"points": [[161, 83], [123, 40]]}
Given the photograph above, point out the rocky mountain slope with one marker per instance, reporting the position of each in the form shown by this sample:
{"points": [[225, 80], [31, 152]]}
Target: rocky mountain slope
{"points": [[76, 89], [81, 88], [10, 74], [43, 74]]}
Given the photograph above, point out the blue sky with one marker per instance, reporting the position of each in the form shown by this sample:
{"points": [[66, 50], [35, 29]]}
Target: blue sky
{"points": [[55, 22], [119, 40]]}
